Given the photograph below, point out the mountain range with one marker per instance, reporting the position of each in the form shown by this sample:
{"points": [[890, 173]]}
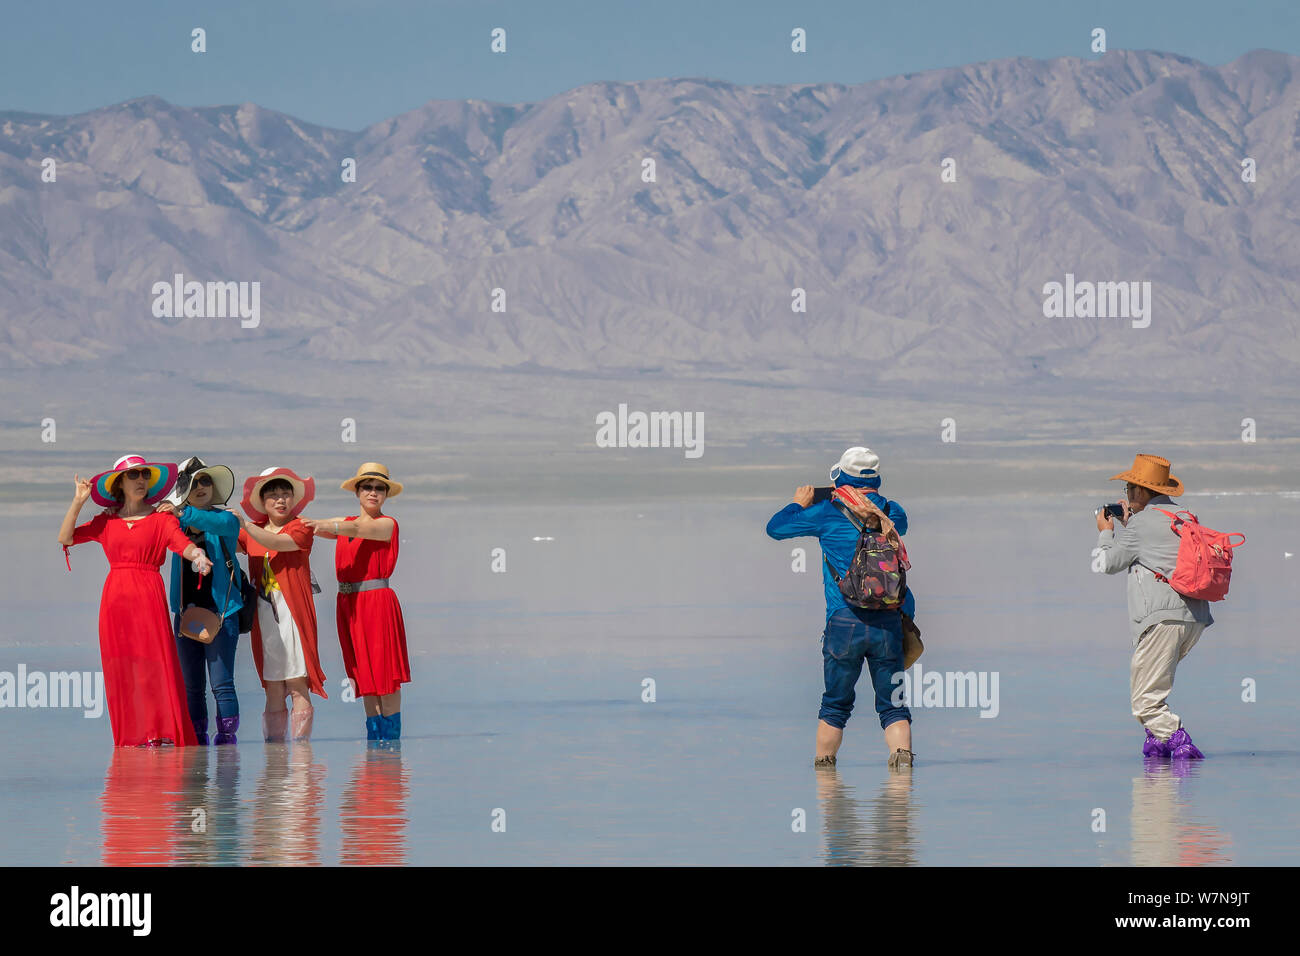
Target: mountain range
{"points": [[1126, 167]]}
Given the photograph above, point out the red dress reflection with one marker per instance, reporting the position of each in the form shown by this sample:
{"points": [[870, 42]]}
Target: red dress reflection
{"points": [[373, 811], [144, 805]]}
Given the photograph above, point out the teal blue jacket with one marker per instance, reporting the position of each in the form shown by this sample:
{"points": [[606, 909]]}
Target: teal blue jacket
{"points": [[221, 542]]}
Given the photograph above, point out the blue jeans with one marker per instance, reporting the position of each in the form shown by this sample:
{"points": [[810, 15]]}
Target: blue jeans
{"points": [[213, 662], [850, 639]]}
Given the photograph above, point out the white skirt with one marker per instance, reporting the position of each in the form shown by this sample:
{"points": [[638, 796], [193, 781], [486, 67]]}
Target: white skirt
{"points": [[282, 657]]}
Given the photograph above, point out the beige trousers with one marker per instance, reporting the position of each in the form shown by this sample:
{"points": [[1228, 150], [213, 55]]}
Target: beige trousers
{"points": [[1151, 678]]}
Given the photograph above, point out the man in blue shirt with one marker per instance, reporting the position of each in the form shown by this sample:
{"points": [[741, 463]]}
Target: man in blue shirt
{"points": [[852, 636]]}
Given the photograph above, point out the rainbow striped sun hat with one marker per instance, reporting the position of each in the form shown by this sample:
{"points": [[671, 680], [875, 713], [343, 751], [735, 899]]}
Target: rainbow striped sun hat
{"points": [[162, 476]]}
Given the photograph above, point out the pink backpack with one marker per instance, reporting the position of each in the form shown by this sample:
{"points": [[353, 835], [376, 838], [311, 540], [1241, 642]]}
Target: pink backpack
{"points": [[1204, 564]]}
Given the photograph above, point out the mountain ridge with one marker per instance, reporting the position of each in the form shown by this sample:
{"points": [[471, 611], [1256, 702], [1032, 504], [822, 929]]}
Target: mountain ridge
{"points": [[1125, 167]]}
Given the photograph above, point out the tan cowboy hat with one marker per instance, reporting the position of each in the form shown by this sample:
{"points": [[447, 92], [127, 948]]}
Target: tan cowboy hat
{"points": [[373, 469], [1151, 472]]}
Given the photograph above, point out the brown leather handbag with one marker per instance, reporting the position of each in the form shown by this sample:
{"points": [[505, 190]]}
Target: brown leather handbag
{"points": [[200, 624]]}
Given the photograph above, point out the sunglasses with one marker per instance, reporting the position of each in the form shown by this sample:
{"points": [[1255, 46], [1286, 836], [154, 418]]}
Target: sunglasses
{"points": [[374, 487], [135, 473], [203, 481]]}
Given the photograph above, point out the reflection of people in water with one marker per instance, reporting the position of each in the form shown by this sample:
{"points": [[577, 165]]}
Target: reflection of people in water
{"points": [[373, 813], [286, 810], [877, 835], [213, 838], [1159, 834], [146, 804]]}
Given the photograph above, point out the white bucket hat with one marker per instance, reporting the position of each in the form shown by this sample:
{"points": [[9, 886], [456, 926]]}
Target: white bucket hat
{"points": [[857, 462]]}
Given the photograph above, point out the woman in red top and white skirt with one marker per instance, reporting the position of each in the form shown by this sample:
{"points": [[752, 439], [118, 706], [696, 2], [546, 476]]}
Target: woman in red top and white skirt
{"points": [[278, 545], [372, 634]]}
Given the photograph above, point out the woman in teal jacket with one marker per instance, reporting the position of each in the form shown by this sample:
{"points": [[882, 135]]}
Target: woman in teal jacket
{"points": [[199, 490]]}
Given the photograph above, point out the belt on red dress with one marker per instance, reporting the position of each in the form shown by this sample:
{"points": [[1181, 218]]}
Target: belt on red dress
{"points": [[133, 565], [373, 584]]}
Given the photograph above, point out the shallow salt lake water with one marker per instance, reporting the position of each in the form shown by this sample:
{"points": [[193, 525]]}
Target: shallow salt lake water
{"points": [[527, 706]]}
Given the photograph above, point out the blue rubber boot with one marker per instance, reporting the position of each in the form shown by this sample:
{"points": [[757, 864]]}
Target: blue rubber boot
{"points": [[1182, 748], [375, 728], [201, 731], [392, 726], [1154, 746]]}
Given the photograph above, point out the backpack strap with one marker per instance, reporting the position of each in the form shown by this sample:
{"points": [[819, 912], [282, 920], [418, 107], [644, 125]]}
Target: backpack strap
{"points": [[1173, 526], [1158, 576], [844, 510], [853, 519], [1176, 519]]}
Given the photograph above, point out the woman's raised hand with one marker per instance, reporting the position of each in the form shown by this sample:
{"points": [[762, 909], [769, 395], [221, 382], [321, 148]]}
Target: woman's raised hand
{"points": [[82, 492]]}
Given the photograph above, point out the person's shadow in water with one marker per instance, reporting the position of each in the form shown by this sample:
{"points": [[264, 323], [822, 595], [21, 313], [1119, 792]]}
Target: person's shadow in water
{"points": [[872, 831], [1160, 832]]}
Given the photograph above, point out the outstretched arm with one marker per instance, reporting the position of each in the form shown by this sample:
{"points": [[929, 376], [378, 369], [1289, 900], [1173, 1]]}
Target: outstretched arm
{"points": [[211, 521], [373, 529], [268, 539]]}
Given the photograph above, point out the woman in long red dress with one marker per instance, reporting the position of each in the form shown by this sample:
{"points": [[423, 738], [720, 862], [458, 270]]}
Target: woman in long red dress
{"points": [[142, 674], [372, 634]]}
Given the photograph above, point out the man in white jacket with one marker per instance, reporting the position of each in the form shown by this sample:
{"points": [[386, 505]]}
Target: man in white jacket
{"points": [[1166, 625]]}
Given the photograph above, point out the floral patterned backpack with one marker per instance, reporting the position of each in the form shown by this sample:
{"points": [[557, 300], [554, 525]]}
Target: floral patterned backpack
{"points": [[876, 579]]}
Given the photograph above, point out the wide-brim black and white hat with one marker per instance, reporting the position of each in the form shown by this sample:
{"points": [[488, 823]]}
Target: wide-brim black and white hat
{"points": [[223, 481]]}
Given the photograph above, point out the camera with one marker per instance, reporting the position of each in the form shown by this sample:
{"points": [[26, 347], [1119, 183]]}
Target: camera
{"points": [[1111, 511], [822, 494]]}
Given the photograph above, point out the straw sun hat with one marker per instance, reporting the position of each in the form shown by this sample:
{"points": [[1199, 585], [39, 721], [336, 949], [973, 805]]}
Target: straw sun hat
{"points": [[373, 469]]}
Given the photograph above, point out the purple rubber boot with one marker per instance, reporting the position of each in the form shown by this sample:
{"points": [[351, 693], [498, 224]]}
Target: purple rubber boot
{"points": [[226, 727], [201, 731], [1154, 746], [1182, 748]]}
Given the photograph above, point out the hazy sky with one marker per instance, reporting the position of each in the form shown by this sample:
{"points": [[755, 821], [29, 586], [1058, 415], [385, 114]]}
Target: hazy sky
{"points": [[349, 64]]}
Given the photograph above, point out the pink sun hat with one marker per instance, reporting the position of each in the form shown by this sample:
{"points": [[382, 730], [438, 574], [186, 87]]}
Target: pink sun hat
{"points": [[304, 490], [162, 475]]}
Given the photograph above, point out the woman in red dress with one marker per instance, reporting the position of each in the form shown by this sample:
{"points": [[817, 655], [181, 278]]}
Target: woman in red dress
{"points": [[372, 634], [142, 674], [278, 545]]}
